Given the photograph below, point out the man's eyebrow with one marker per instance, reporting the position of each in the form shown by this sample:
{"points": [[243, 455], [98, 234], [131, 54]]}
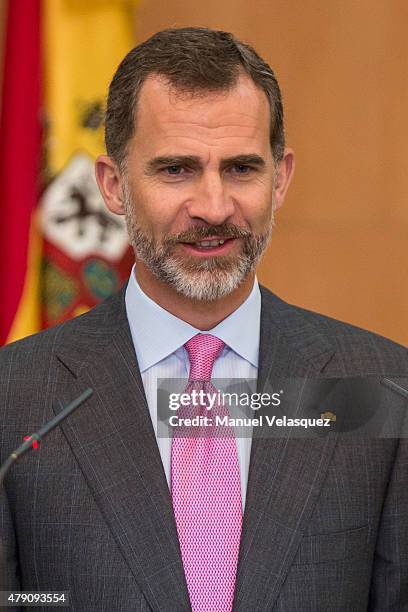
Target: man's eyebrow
{"points": [[247, 159], [174, 160], [252, 159]]}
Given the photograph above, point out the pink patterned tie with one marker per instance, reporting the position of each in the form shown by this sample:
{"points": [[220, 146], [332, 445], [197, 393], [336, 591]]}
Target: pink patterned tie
{"points": [[206, 492]]}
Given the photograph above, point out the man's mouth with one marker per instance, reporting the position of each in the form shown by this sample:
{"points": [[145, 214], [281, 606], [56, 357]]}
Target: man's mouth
{"points": [[208, 242], [212, 245]]}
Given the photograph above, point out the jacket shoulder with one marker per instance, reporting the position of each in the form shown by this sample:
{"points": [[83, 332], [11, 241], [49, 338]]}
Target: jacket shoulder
{"points": [[357, 351], [34, 351]]}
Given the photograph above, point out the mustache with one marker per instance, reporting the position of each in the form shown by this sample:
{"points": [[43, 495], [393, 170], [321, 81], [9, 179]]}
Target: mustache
{"points": [[226, 230]]}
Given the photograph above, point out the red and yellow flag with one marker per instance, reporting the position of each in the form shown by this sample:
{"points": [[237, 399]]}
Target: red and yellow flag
{"points": [[20, 145], [63, 252]]}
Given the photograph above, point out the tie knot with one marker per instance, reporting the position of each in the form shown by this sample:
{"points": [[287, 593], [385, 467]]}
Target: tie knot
{"points": [[203, 350]]}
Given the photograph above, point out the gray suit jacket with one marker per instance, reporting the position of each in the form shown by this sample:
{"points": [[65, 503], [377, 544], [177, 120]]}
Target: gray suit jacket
{"points": [[326, 520]]}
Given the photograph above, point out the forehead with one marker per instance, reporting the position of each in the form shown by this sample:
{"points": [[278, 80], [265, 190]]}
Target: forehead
{"points": [[167, 117]]}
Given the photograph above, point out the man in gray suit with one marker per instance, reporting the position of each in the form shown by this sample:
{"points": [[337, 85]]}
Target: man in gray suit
{"points": [[125, 520]]}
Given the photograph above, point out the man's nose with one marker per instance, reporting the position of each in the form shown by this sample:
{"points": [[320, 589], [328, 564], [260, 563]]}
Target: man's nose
{"points": [[211, 201]]}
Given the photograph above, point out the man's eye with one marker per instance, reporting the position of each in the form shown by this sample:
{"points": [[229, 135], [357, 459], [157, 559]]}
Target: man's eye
{"points": [[242, 169], [173, 170]]}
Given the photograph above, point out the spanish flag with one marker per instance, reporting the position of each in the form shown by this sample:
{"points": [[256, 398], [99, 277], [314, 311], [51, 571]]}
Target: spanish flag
{"points": [[62, 251], [20, 146]]}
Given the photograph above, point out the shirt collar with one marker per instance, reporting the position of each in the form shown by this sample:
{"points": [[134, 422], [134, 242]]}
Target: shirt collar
{"points": [[157, 333]]}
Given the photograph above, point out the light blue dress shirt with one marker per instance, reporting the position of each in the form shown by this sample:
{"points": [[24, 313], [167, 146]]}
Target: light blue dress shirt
{"points": [[158, 337]]}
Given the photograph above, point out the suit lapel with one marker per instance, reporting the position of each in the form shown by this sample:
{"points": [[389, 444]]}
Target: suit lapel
{"points": [[113, 440], [114, 443], [285, 475]]}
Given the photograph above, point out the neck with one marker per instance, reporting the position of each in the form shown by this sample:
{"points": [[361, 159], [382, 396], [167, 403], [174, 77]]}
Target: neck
{"points": [[202, 315]]}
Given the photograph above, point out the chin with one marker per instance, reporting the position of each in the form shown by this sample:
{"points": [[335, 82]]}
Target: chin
{"points": [[206, 286]]}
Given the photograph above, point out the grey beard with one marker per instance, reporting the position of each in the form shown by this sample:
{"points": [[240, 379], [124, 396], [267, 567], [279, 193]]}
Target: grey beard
{"points": [[197, 279]]}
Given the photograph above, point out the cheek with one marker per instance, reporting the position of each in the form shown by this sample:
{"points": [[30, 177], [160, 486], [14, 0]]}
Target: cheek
{"points": [[256, 206], [156, 209]]}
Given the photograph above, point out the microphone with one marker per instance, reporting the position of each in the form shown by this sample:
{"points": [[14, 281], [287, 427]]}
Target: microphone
{"points": [[33, 440]]}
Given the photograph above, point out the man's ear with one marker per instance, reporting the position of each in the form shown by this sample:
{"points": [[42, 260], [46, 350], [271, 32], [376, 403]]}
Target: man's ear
{"points": [[283, 177], [110, 184]]}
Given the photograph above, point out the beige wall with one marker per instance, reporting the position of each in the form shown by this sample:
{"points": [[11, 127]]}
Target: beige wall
{"points": [[341, 242]]}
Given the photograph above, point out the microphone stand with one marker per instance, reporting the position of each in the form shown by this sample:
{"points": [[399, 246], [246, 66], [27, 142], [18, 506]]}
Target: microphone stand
{"points": [[33, 440]]}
